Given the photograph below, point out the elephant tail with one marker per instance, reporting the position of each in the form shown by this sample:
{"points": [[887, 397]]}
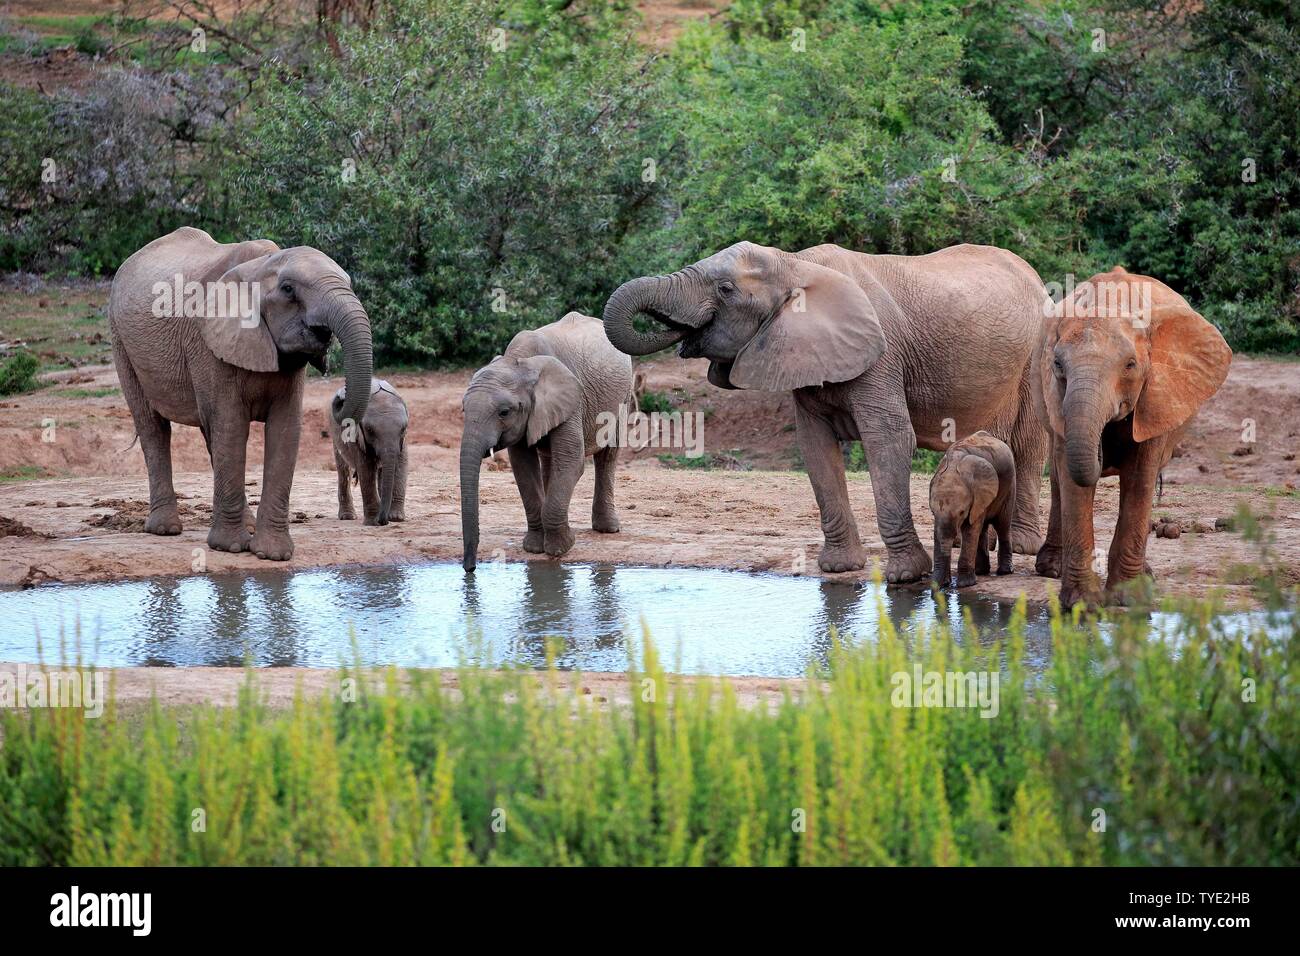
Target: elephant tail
{"points": [[134, 438]]}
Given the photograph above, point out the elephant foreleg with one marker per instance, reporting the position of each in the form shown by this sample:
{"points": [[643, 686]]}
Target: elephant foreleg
{"points": [[527, 469], [603, 516], [368, 479], [842, 550], [155, 434], [346, 510], [889, 441], [942, 572], [226, 434], [1128, 549], [567, 461], [397, 511], [972, 541], [283, 427]]}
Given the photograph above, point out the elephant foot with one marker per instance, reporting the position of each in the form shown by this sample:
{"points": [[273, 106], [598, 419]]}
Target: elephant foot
{"points": [[1131, 592], [348, 515], [1048, 562], [272, 545], [1026, 540], [1089, 595], [163, 521], [965, 579], [535, 542], [374, 521], [1004, 569], [605, 524], [229, 538], [396, 514], [903, 567], [250, 520], [842, 557], [558, 542]]}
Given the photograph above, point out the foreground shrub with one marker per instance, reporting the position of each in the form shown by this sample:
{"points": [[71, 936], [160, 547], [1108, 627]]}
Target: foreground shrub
{"points": [[1128, 749]]}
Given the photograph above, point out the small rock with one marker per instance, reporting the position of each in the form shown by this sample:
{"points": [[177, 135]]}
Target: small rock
{"points": [[661, 513], [1203, 468], [1242, 451], [1289, 456], [1225, 524], [1200, 527]]}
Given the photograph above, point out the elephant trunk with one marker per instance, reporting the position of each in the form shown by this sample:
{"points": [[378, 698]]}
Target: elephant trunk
{"points": [[472, 453], [387, 483], [1084, 421], [659, 297], [347, 319]]}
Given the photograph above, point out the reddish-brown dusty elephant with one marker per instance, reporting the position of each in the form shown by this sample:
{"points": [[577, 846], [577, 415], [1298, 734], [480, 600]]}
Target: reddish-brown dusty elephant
{"points": [[1122, 366]]}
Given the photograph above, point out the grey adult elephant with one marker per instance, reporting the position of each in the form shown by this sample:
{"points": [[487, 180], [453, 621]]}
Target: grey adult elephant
{"points": [[893, 350], [543, 401], [218, 335]]}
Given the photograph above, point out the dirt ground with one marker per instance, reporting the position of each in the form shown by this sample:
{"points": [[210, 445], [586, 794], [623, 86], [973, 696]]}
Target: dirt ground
{"points": [[74, 493]]}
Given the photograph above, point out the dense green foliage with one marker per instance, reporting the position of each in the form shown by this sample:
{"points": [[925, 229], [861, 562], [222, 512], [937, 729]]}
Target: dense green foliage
{"points": [[18, 373], [514, 159], [1162, 736]]}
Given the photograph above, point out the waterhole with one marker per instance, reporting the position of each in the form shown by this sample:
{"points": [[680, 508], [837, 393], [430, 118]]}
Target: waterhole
{"points": [[703, 621]]}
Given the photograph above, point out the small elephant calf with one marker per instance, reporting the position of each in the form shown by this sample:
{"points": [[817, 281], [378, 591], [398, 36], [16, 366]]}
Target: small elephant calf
{"points": [[974, 488], [374, 455]]}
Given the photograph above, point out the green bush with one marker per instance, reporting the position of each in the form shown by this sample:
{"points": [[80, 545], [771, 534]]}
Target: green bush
{"points": [[471, 192], [18, 373], [1158, 733]]}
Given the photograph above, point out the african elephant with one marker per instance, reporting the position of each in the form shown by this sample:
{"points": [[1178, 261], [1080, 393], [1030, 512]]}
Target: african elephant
{"points": [[973, 489], [893, 350], [1120, 369], [541, 401], [216, 335], [375, 455]]}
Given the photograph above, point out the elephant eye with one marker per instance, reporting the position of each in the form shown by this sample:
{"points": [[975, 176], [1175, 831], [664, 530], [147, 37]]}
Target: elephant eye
{"points": [[1132, 364], [504, 411], [1060, 367], [286, 289], [726, 288]]}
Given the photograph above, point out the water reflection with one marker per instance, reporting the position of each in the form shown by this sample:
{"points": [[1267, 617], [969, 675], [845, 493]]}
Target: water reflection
{"points": [[704, 621]]}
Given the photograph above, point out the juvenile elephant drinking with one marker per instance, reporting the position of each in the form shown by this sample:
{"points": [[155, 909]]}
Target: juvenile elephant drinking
{"points": [[218, 335], [893, 350], [373, 454], [541, 401]]}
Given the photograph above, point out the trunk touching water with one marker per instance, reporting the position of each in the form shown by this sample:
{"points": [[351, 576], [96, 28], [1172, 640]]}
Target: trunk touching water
{"points": [[348, 321], [1084, 422], [659, 297], [471, 457]]}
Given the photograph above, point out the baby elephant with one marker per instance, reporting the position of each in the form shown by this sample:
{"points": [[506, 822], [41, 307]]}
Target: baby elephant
{"points": [[543, 402], [974, 488], [373, 455]]}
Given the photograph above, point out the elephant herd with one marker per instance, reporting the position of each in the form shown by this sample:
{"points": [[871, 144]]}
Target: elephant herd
{"points": [[960, 351]]}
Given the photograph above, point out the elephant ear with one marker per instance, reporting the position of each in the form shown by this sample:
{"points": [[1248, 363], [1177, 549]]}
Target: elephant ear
{"points": [[826, 331], [1189, 361], [557, 396], [982, 480], [1043, 378], [244, 341]]}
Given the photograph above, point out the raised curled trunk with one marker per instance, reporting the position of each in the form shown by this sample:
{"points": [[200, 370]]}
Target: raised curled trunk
{"points": [[1084, 421], [351, 326], [660, 298], [471, 457]]}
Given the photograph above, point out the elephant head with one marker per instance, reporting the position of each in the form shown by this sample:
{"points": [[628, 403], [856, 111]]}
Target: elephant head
{"points": [[764, 318], [381, 437], [1124, 345], [302, 297], [512, 401], [961, 491]]}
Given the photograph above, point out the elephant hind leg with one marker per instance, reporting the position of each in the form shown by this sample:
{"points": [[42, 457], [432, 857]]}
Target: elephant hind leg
{"points": [[603, 516], [1028, 442], [155, 434], [397, 511]]}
